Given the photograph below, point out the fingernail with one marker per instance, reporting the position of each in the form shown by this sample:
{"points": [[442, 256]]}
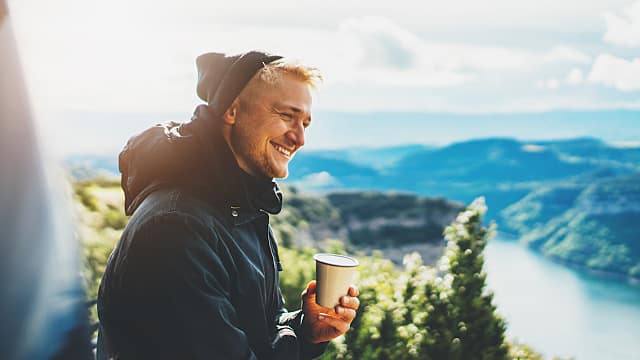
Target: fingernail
{"points": [[340, 310], [345, 300], [320, 317]]}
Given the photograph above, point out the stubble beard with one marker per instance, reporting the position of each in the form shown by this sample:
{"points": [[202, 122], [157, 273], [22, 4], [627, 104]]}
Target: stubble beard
{"points": [[266, 166], [255, 156]]}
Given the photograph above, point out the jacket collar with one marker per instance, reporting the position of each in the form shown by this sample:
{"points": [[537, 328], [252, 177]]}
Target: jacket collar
{"points": [[242, 196]]}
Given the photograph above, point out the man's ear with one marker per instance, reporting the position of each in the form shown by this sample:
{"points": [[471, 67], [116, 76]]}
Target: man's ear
{"points": [[231, 114]]}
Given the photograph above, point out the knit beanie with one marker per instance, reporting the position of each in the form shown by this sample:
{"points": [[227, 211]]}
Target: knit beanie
{"points": [[222, 77]]}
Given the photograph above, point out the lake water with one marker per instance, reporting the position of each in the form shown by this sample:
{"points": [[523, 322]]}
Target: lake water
{"points": [[560, 311]]}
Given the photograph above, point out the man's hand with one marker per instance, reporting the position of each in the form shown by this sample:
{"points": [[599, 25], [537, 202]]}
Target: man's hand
{"points": [[323, 324]]}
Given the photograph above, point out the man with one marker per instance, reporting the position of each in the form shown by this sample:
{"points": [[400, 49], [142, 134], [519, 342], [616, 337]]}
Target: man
{"points": [[195, 274]]}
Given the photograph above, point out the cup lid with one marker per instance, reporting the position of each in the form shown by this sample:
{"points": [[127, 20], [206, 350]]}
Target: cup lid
{"points": [[336, 260]]}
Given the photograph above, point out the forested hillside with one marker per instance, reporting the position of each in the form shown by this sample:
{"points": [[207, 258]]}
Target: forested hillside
{"points": [[397, 223], [593, 224]]}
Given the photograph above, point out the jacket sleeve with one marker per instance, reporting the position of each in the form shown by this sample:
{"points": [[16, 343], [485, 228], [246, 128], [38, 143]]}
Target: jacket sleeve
{"points": [[176, 267], [293, 320]]}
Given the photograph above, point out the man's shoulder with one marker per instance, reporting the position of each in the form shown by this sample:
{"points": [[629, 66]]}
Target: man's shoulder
{"points": [[169, 226], [177, 203]]}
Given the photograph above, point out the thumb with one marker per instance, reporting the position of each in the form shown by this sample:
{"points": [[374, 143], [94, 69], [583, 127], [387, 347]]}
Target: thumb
{"points": [[310, 290]]}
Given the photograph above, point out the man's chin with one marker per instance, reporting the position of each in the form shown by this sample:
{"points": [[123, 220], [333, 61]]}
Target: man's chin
{"points": [[281, 172], [282, 176]]}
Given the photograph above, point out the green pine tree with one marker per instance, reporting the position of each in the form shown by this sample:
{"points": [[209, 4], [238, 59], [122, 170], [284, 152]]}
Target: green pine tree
{"points": [[479, 331], [428, 328], [373, 333]]}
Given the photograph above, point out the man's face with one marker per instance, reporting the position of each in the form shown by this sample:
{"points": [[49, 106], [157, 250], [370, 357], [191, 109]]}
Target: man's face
{"points": [[270, 128]]}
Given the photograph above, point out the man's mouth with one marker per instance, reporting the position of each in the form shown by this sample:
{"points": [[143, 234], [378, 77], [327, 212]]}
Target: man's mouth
{"points": [[282, 150]]}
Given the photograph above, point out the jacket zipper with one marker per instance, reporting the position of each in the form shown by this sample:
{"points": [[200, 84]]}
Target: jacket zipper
{"points": [[274, 286]]}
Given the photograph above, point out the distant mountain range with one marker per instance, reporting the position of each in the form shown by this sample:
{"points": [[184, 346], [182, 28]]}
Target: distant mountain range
{"points": [[503, 170], [549, 193]]}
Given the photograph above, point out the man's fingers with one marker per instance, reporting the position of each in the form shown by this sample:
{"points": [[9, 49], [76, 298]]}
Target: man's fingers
{"points": [[350, 302], [353, 290], [339, 324], [346, 313]]}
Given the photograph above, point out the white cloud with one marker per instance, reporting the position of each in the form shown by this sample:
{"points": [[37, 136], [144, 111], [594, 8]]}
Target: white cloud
{"points": [[624, 30], [548, 84], [566, 54], [318, 180], [630, 144], [552, 83], [382, 43], [533, 148], [621, 74], [575, 77], [388, 54]]}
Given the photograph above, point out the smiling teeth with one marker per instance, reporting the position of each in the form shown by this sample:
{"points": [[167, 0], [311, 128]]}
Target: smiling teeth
{"points": [[282, 150]]}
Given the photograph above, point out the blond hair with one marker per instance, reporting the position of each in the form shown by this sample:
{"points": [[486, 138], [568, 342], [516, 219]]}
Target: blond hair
{"points": [[272, 73]]}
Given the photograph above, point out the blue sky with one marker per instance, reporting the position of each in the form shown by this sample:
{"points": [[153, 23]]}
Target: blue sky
{"points": [[465, 57]]}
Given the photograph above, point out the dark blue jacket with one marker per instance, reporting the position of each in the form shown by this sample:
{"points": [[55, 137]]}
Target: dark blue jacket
{"points": [[196, 272]]}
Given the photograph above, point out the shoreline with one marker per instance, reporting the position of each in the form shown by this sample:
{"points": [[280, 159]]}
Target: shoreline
{"points": [[431, 252], [603, 274]]}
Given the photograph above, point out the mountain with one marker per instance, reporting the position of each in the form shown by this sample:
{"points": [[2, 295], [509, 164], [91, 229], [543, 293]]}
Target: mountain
{"points": [[320, 172], [539, 207], [592, 225], [595, 151], [377, 158], [393, 219], [397, 223], [501, 169], [489, 161]]}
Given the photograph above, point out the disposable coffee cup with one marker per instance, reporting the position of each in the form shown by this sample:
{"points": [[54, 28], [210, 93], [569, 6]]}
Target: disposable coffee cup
{"points": [[334, 275]]}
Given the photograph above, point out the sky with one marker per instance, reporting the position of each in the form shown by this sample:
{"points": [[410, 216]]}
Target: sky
{"points": [[455, 57]]}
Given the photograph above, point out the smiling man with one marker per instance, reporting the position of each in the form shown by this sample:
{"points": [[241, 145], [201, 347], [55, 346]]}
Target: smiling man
{"points": [[195, 274], [265, 125]]}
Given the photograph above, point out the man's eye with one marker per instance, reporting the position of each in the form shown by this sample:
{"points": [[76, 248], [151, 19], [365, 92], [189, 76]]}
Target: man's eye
{"points": [[286, 115]]}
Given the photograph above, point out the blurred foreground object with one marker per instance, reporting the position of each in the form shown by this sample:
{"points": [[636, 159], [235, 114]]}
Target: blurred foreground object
{"points": [[42, 308]]}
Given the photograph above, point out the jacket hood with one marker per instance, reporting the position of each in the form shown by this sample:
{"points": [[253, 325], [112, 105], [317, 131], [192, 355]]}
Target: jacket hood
{"points": [[192, 154]]}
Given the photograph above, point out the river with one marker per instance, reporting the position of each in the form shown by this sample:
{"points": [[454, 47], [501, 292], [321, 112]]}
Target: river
{"points": [[561, 311]]}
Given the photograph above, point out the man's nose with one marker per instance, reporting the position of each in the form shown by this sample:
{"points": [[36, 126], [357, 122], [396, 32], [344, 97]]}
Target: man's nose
{"points": [[296, 135]]}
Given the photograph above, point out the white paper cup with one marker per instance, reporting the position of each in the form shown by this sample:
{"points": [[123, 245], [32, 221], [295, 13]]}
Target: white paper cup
{"points": [[334, 275]]}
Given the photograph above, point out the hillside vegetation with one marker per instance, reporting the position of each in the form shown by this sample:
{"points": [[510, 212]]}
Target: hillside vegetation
{"points": [[593, 225], [397, 223]]}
